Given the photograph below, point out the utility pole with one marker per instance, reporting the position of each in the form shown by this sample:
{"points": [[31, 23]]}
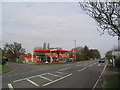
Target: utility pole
{"points": [[75, 48], [32, 56]]}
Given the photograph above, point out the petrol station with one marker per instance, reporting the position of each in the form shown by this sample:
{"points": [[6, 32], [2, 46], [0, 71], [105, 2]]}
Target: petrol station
{"points": [[52, 55]]}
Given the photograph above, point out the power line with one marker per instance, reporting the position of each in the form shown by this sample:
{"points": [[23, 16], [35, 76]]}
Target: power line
{"points": [[22, 35]]}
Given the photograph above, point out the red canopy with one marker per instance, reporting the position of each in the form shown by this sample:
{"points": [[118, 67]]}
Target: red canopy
{"points": [[48, 50]]}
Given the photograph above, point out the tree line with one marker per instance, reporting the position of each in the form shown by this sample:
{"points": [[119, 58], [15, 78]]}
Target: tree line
{"points": [[13, 50], [84, 53]]}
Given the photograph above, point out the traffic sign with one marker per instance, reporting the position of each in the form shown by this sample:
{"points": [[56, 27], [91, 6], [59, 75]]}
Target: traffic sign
{"points": [[116, 53]]}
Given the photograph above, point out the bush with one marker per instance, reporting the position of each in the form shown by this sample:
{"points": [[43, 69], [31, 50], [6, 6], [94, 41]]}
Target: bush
{"points": [[80, 58], [117, 62]]}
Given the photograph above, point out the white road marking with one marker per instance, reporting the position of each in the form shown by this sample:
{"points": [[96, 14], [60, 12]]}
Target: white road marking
{"points": [[91, 65], [104, 69], [57, 79], [19, 80], [60, 72], [98, 65], [22, 73], [64, 69], [32, 77], [77, 65], [99, 77], [29, 77], [95, 84], [53, 75], [32, 82], [45, 78], [44, 74], [82, 69], [10, 86]]}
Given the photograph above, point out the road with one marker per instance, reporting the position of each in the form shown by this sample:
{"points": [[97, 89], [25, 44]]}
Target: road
{"points": [[77, 75]]}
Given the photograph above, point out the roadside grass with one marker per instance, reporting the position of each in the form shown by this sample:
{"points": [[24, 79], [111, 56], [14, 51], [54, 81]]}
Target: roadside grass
{"points": [[4, 67], [114, 69], [19, 62], [111, 81], [109, 62]]}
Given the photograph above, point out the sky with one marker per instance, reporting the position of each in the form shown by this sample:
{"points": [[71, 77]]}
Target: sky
{"points": [[57, 23]]}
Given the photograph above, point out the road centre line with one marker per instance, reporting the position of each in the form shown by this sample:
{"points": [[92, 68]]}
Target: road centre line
{"points": [[82, 69], [57, 79], [10, 86], [91, 65], [53, 75], [45, 78], [32, 82], [98, 65]]}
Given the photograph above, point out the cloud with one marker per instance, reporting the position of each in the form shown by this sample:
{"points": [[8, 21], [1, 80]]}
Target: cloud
{"points": [[57, 23]]}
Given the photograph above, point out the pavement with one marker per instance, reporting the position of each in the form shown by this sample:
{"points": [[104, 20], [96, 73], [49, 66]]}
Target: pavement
{"points": [[77, 75]]}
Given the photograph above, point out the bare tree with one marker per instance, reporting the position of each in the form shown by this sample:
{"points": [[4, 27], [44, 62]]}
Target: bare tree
{"points": [[107, 16], [14, 49]]}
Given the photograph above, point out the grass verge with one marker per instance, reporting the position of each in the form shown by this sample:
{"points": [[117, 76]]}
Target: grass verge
{"points": [[4, 67], [109, 62], [114, 69], [19, 62], [111, 81]]}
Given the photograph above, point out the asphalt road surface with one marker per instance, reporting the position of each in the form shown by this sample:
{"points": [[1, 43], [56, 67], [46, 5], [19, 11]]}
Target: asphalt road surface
{"points": [[77, 75]]}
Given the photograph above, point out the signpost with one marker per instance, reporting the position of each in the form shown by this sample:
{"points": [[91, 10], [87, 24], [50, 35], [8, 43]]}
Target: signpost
{"points": [[116, 53], [74, 53]]}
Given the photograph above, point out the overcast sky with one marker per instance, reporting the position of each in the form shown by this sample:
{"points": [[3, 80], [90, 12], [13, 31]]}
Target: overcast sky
{"points": [[58, 23]]}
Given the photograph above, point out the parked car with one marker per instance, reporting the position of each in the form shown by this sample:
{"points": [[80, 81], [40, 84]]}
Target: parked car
{"points": [[71, 59], [55, 61], [102, 60]]}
